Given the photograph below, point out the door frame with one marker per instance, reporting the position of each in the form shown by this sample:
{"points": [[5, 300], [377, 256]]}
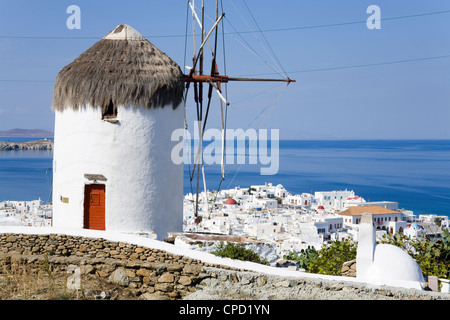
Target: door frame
{"points": [[86, 205]]}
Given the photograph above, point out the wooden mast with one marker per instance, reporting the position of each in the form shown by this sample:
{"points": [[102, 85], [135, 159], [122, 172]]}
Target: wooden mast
{"points": [[214, 80]]}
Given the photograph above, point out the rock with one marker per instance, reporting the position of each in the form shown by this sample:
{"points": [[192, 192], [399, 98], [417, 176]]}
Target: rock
{"points": [[161, 267], [191, 269], [87, 269], [11, 239], [101, 274], [153, 296], [261, 281], [284, 284], [166, 278], [165, 287], [143, 273], [119, 277], [130, 273], [139, 250], [174, 268], [223, 277], [185, 281], [173, 294], [169, 240], [349, 269]]}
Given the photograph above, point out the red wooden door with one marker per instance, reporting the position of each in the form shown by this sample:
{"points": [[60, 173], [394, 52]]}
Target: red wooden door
{"points": [[94, 206]]}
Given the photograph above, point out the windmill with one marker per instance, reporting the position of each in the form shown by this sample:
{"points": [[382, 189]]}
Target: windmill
{"points": [[201, 73]]}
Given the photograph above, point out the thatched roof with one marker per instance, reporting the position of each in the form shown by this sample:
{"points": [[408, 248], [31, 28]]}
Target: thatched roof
{"points": [[124, 69]]}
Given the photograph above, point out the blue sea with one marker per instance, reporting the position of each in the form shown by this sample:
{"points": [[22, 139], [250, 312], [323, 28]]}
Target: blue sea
{"points": [[416, 174]]}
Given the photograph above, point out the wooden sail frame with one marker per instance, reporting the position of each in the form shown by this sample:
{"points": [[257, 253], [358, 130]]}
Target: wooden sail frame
{"points": [[214, 81]]}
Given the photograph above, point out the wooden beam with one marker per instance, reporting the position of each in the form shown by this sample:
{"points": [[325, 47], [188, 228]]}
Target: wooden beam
{"points": [[226, 79]]}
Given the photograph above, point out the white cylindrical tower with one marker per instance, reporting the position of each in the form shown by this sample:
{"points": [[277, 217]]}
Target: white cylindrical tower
{"points": [[116, 107]]}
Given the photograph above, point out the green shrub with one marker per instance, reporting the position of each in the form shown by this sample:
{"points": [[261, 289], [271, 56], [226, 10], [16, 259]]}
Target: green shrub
{"points": [[432, 256], [304, 258], [237, 251], [331, 257]]}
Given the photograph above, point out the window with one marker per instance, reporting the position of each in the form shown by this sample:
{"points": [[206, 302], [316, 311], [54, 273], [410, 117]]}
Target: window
{"points": [[110, 112]]}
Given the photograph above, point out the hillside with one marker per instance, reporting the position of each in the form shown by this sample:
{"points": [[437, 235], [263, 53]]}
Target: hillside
{"points": [[31, 145], [26, 133]]}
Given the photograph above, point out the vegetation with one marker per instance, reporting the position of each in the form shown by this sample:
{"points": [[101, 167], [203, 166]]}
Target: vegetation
{"points": [[18, 280], [304, 258], [433, 256], [330, 258], [238, 251]]}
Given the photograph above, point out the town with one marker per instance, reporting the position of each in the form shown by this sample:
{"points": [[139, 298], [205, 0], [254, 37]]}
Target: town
{"points": [[274, 222], [267, 218], [33, 213]]}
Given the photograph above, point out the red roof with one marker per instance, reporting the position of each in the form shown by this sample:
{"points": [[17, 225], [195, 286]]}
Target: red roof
{"points": [[230, 201], [320, 207]]}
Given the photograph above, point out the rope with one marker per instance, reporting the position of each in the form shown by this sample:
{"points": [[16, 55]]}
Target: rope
{"points": [[274, 56]]}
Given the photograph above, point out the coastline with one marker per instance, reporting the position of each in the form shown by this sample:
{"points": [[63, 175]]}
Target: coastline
{"points": [[30, 145]]}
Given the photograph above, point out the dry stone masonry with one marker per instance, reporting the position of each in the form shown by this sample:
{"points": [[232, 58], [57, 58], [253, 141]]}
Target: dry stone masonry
{"points": [[146, 273], [120, 270]]}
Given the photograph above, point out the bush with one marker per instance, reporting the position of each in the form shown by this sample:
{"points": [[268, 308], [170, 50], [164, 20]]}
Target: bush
{"points": [[432, 256], [304, 258], [329, 259], [237, 251]]}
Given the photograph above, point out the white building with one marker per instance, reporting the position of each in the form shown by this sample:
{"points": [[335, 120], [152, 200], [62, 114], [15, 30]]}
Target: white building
{"points": [[414, 231], [391, 205], [280, 192], [336, 200], [268, 230], [304, 199], [264, 203], [384, 219], [116, 107]]}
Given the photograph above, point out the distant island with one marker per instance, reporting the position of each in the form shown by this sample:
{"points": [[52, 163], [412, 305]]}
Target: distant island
{"points": [[31, 145], [26, 133]]}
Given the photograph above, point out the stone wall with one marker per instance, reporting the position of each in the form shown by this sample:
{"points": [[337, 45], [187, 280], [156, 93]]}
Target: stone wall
{"points": [[145, 273], [120, 270]]}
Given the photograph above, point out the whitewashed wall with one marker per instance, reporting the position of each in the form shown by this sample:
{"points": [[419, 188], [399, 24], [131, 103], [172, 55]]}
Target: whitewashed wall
{"points": [[144, 188]]}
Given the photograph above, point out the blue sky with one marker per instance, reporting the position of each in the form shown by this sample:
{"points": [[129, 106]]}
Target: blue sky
{"points": [[352, 82]]}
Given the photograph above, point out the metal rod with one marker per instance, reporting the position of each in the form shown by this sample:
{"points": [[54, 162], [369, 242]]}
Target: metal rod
{"points": [[221, 78], [260, 79]]}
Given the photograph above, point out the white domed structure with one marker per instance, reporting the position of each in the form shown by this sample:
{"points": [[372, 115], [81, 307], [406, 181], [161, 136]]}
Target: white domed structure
{"points": [[384, 264], [116, 106]]}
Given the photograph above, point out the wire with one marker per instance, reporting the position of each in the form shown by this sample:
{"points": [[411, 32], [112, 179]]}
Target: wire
{"points": [[355, 66], [248, 47], [350, 23], [271, 108], [289, 72], [265, 39], [229, 33]]}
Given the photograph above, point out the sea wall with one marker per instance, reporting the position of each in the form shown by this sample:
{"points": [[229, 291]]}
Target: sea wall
{"points": [[147, 273]]}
